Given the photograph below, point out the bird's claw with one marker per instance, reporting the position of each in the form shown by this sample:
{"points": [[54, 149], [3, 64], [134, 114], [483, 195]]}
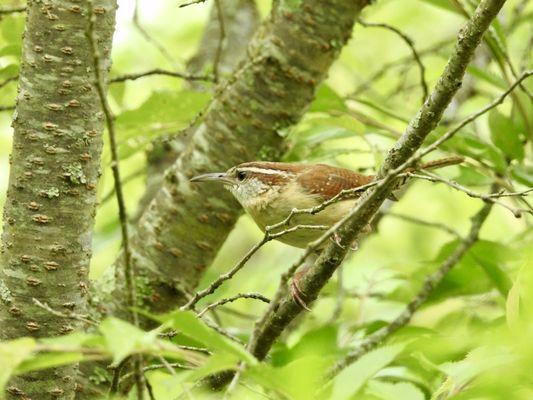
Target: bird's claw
{"points": [[335, 238], [296, 294]]}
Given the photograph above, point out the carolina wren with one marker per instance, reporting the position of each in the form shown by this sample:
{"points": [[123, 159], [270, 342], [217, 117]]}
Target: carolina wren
{"points": [[268, 191]]}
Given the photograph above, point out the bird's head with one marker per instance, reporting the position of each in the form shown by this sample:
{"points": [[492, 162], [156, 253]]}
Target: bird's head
{"points": [[249, 182]]}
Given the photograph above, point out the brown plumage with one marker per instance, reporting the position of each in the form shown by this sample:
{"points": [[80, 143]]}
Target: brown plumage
{"points": [[268, 191]]}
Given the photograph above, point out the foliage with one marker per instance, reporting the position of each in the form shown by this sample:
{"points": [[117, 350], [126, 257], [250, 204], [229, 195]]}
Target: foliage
{"points": [[471, 340]]}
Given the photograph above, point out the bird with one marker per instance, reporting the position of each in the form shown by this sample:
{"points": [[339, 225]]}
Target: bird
{"points": [[268, 191]]}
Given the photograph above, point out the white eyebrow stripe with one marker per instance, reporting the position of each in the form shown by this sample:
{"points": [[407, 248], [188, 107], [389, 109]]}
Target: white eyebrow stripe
{"points": [[264, 171]]}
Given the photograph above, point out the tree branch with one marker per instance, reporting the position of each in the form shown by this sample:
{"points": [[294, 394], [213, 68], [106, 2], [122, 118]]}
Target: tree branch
{"points": [[11, 10], [284, 310], [411, 44], [256, 296], [160, 71], [129, 272], [181, 231], [430, 283]]}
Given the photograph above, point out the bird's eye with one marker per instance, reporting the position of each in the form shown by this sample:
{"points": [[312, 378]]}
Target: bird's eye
{"points": [[241, 175]]}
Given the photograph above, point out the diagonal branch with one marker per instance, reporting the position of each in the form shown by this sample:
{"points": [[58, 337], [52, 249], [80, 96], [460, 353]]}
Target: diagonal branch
{"points": [[182, 229], [284, 309], [411, 44]]}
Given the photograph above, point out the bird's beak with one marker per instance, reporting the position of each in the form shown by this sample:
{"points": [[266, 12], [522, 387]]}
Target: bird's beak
{"points": [[221, 177]]}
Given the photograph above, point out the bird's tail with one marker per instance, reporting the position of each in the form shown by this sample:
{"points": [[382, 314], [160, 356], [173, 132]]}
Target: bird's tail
{"points": [[440, 163], [435, 164]]}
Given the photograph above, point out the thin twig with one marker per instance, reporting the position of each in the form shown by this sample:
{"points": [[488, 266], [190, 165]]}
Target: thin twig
{"points": [[154, 367], [10, 79], [167, 365], [517, 212], [221, 38], [78, 317], [402, 156], [12, 10], [256, 296], [123, 215], [127, 179], [448, 135], [149, 389], [190, 3], [390, 176], [7, 108], [228, 275], [146, 35], [339, 301], [235, 381], [415, 220], [411, 45], [160, 71], [430, 283]]}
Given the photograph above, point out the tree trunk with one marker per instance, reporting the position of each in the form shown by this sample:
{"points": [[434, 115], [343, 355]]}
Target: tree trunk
{"points": [[183, 228], [240, 21], [50, 205]]}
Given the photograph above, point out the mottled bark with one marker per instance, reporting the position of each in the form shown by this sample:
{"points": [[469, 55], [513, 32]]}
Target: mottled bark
{"points": [[51, 199], [285, 309], [181, 231], [241, 20]]}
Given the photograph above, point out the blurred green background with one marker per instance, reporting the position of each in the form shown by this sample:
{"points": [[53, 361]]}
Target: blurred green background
{"points": [[471, 313]]}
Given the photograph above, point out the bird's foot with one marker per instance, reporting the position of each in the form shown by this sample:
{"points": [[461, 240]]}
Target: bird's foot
{"points": [[335, 238], [296, 292]]}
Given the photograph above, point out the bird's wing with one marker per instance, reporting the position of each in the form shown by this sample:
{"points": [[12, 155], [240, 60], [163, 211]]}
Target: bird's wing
{"points": [[327, 181]]}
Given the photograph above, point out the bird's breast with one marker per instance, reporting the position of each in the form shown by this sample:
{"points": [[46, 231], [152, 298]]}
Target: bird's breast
{"points": [[276, 206]]}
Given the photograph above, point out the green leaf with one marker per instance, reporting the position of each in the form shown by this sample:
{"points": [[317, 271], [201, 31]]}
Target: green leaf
{"points": [[310, 140], [444, 4], [394, 391], [470, 145], [352, 378], [506, 135], [9, 71], [172, 386], [217, 362], [12, 353], [190, 325], [470, 177], [523, 174], [172, 108], [299, 380], [12, 27], [123, 338], [467, 277], [477, 362], [165, 112], [49, 360], [322, 340], [10, 50], [487, 76], [512, 305], [488, 255], [326, 99]]}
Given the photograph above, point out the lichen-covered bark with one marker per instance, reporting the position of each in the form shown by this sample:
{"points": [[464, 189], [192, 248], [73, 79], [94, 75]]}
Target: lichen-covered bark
{"points": [[284, 310], [241, 20], [50, 205], [182, 229]]}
